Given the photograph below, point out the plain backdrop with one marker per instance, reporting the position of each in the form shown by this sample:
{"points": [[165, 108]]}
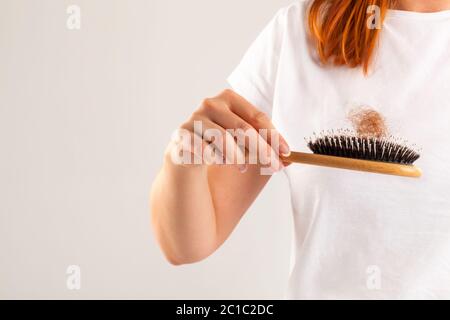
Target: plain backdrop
{"points": [[84, 118]]}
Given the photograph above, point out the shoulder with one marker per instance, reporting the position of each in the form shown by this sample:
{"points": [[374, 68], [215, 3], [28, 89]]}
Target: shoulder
{"points": [[293, 17], [295, 11]]}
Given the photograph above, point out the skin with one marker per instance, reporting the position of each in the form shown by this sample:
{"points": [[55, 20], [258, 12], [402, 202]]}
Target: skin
{"points": [[423, 5], [195, 208]]}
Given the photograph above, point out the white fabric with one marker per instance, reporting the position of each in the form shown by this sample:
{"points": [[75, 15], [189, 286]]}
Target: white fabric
{"points": [[360, 235]]}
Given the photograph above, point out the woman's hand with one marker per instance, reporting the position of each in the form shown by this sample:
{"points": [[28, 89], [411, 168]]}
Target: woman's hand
{"points": [[229, 130], [196, 203]]}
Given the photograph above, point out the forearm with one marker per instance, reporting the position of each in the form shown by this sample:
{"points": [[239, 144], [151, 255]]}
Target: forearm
{"points": [[183, 214], [196, 207]]}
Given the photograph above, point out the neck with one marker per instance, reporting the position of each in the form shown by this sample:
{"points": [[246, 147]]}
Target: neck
{"points": [[422, 5]]}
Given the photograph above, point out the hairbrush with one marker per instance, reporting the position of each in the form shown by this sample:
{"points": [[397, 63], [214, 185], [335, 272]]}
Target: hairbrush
{"points": [[346, 150]]}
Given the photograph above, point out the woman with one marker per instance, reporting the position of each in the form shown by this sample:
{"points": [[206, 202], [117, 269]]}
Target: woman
{"points": [[357, 235]]}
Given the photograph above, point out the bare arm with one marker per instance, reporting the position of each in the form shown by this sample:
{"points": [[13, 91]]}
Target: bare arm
{"points": [[196, 207]]}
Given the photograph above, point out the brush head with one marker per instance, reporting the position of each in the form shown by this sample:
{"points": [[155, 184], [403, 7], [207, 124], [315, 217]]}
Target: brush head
{"points": [[349, 145]]}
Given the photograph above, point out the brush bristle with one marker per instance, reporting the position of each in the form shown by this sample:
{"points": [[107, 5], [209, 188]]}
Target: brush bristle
{"points": [[349, 145]]}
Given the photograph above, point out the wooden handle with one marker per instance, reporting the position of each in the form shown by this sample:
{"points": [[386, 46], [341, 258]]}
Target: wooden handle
{"points": [[355, 164]]}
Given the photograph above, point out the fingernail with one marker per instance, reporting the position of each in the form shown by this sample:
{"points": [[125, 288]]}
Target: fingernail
{"points": [[284, 149], [277, 168]]}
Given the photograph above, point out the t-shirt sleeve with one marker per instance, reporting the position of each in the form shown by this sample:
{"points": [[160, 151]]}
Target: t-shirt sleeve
{"points": [[255, 76]]}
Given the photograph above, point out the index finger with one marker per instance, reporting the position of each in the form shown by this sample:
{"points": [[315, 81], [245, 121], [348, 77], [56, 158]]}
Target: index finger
{"points": [[255, 117]]}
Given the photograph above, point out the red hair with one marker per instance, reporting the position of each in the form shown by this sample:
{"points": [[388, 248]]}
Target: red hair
{"points": [[341, 33]]}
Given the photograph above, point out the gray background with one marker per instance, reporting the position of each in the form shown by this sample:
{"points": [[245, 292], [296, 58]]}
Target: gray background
{"points": [[84, 119]]}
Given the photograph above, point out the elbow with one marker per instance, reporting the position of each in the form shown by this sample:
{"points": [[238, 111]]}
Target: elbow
{"points": [[184, 255], [186, 260], [174, 261], [181, 252]]}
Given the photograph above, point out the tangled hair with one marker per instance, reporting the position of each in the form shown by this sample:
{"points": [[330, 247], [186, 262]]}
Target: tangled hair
{"points": [[367, 122], [341, 33]]}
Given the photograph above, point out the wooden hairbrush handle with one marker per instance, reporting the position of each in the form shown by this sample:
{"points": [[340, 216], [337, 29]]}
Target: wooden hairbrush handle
{"points": [[355, 164]]}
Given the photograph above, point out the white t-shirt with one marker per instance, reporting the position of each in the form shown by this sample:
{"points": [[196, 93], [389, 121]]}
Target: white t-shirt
{"points": [[361, 235]]}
